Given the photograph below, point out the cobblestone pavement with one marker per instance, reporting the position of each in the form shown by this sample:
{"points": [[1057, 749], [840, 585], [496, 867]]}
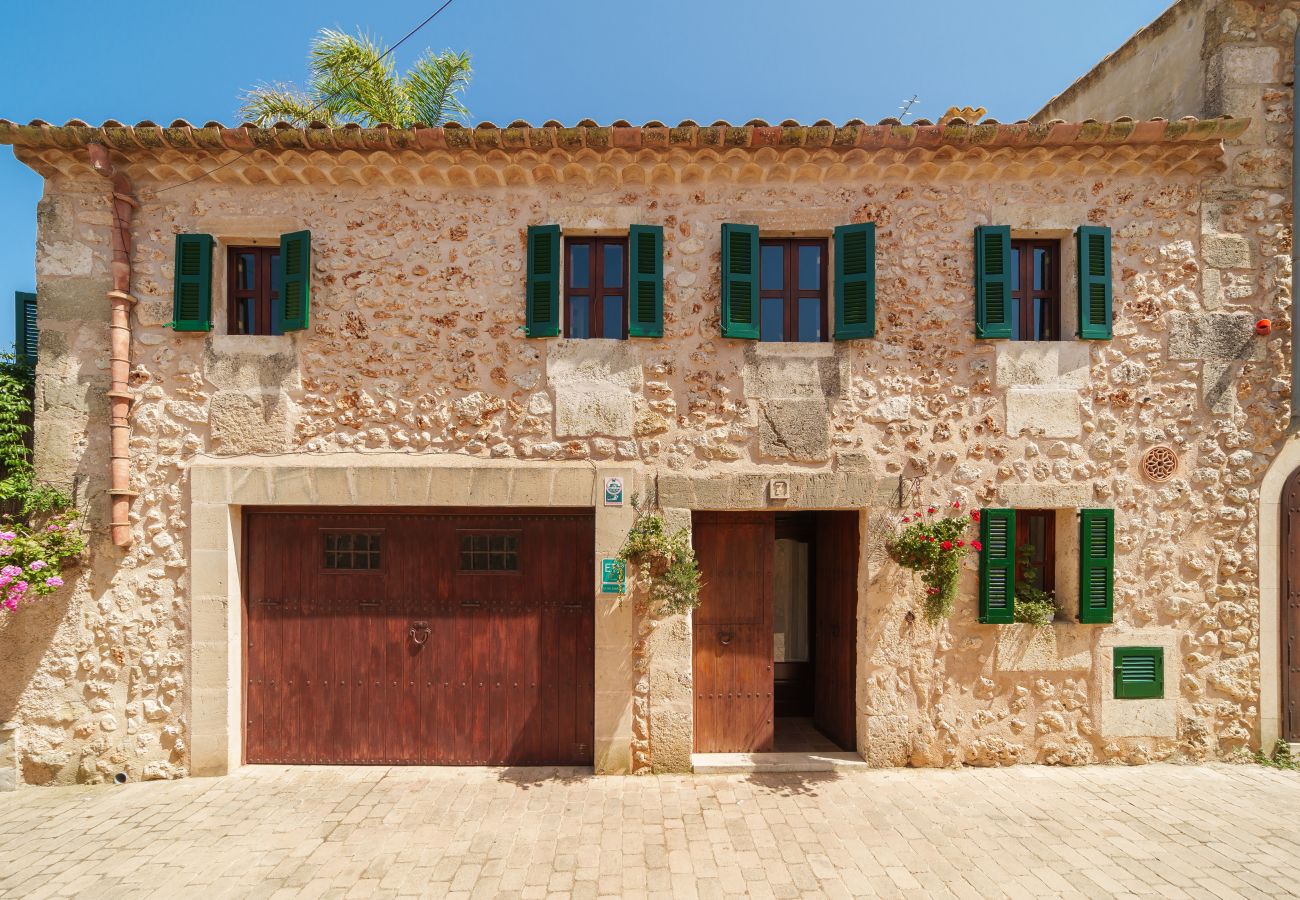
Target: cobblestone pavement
{"points": [[1162, 831]]}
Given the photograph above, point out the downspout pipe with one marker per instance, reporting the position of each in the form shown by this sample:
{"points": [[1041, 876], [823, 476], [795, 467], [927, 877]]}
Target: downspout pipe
{"points": [[1295, 224], [119, 330]]}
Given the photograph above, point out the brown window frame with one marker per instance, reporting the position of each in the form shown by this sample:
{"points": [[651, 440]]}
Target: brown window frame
{"points": [[789, 291], [1045, 556], [462, 552], [1022, 299], [263, 293], [379, 554], [596, 291]]}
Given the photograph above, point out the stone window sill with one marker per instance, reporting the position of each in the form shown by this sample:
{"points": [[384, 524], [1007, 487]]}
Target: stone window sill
{"points": [[256, 344], [795, 349]]}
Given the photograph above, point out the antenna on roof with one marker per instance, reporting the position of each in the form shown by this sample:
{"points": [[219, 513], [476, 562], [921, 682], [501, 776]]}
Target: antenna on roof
{"points": [[906, 107]]}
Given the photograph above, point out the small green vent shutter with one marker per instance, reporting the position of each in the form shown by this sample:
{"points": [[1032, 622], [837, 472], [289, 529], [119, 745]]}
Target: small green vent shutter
{"points": [[1096, 565], [25, 333], [1094, 283], [855, 281], [740, 281], [295, 282], [997, 565], [192, 285], [646, 303], [992, 281], [1139, 673], [542, 315]]}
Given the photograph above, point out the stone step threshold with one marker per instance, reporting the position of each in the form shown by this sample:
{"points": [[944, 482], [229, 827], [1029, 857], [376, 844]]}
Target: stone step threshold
{"points": [[740, 763]]}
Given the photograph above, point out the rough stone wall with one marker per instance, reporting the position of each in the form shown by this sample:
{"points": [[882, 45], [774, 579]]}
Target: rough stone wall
{"points": [[417, 345]]}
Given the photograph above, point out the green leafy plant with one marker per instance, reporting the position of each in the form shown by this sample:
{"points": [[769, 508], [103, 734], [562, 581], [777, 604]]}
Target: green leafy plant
{"points": [[1282, 757], [352, 80], [664, 564], [39, 535], [934, 547], [1034, 606]]}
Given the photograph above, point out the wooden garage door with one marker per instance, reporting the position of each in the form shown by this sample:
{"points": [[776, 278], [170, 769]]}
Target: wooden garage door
{"points": [[444, 638]]}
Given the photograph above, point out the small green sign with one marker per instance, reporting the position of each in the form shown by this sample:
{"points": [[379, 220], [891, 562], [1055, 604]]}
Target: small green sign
{"points": [[613, 576], [613, 491]]}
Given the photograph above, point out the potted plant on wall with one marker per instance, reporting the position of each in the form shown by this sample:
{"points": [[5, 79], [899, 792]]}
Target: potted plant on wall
{"points": [[934, 545], [1034, 606], [663, 563]]}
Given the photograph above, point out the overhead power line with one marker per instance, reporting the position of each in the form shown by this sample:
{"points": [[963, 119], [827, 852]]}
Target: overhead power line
{"points": [[321, 104]]}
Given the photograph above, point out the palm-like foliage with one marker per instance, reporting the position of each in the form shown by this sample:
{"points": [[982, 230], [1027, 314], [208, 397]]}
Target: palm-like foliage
{"points": [[352, 81]]}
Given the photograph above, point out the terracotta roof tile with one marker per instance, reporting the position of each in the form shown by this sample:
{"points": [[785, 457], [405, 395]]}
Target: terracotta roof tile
{"points": [[520, 135]]}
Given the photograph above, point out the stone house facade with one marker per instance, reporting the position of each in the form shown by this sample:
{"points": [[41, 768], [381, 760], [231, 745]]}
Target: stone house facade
{"points": [[284, 524]]}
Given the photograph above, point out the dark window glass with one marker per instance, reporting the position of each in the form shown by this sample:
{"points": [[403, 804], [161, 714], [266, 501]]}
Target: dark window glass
{"points": [[771, 326], [355, 550], [595, 287], [253, 290], [484, 551], [1035, 290], [792, 290], [1036, 530], [810, 267]]}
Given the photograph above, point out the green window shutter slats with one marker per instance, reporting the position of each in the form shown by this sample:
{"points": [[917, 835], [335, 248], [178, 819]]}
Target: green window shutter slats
{"points": [[542, 314], [25, 333], [997, 565], [1096, 565], [646, 303], [1139, 673], [993, 281], [855, 281], [192, 283], [293, 312], [1095, 299], [740, 281]]}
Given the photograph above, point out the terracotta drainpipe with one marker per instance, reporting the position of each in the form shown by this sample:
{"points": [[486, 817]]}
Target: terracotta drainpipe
{"points": [[119, 329]]}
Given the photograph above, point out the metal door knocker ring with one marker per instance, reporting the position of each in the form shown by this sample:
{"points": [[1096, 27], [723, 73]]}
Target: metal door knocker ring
{"points": [[724, 637], [419, 633]]}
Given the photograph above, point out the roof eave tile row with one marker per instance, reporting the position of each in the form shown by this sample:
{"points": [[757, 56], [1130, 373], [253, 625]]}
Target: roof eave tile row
{"points": [[888, 134]]}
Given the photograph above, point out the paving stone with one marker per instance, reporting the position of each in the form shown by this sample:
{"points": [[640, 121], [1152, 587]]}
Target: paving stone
{"points": [[1162, 831]]}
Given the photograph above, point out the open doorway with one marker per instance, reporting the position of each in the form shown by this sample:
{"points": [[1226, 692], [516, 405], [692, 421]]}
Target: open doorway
{"points": [[775, 634]]}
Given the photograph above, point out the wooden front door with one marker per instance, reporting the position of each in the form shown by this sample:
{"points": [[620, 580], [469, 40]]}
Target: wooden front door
{"points": [[835, 627], [732, 630], [1290, 608], [457, 637]]}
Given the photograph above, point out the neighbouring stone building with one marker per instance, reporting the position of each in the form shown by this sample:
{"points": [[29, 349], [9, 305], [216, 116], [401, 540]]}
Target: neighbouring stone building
{"points": [[359, 507]]}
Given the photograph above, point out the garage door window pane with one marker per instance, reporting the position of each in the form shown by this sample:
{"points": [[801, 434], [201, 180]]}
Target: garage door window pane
{"points": [[352, 550], [489, 551]]}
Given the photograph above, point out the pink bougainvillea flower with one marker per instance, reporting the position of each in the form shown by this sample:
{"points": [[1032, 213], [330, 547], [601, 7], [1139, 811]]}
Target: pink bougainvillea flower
{"points": [[20, 587], [52, 528], [7, 535], [947, 545], [37, 565], [11, 571], [976, 545], [11, 602], [54, 581]]}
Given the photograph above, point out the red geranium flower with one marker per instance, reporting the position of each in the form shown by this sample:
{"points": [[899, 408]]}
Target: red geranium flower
{"points": [[932, 510], [956, 504], [947, 545], [906, 520], [976, 545], [975, 515], [961, 543]]}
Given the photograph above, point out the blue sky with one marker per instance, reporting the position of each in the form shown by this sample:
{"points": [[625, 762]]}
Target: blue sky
{"points": [[667, 60]]}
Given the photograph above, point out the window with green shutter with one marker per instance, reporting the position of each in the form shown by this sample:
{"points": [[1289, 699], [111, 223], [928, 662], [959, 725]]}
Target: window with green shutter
{"points": [[1139, 673], [192, 283], [997, 566], [542, 312], [1096, 565], [740, 281], [294, 310], [25, 333], [855, 281], [646, 301], [993, 281], [1095, 299]]}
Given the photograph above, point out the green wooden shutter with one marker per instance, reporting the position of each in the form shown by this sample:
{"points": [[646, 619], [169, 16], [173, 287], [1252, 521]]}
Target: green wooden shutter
{"points": [[645, 244], [1096, 565], [293, 312], [542, 313], [25, 333], [1139, 673], [992, 281], [192, 284], [855, 281], [1094, 283], [997, 565], [740, 281]]}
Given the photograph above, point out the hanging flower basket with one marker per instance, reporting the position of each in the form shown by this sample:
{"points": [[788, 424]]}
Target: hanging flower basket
{"points": [[934, 545]]}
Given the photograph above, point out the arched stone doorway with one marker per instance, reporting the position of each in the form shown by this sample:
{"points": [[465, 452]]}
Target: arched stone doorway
{"points": [[1289, 607]]}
